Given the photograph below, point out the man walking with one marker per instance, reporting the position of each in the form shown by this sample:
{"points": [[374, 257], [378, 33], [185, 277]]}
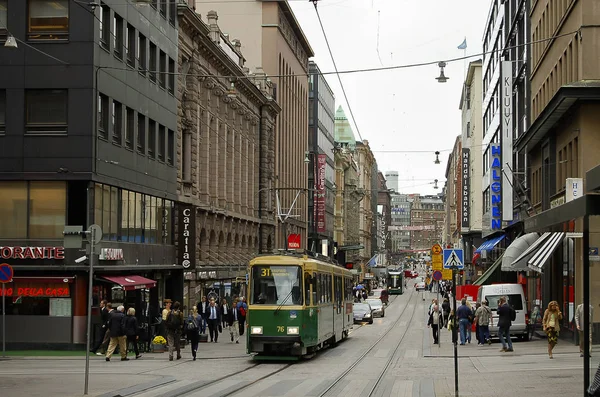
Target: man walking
{"points": [[435, 319], [243, 309], [203, 312], [581, 323], [234, 325], [174, 327], [104, 337], [116, 327], [214, 319], [483, 316], [462, 314], [505, 314]]}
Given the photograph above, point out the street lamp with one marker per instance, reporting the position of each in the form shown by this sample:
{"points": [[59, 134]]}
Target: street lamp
{"points": [[11, 42], [442, 78], [437, 157]]}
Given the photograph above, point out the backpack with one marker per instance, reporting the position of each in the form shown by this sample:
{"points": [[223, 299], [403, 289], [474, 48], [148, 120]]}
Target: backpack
{"points": [[242, 311], [174, 321], [513, 314], [191, 324], [123, 326]]}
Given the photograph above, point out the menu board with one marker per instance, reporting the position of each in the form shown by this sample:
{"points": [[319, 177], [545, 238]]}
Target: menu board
{"points": [[60, 307]]}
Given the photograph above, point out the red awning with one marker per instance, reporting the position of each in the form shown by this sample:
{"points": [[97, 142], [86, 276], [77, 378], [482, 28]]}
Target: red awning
{"points": [[475, 257], [131, 282]]}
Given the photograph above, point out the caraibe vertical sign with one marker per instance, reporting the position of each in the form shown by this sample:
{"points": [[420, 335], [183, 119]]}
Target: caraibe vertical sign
{"points": [[466, 189], [186, 233]]}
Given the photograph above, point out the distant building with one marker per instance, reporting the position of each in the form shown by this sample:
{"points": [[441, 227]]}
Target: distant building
{"points": [[391, 180], [427, 218]]}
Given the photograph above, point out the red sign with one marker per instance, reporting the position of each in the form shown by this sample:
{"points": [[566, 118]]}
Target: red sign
{"points": [[294, 241], [38, 292], [32, 252], [321, 193]]}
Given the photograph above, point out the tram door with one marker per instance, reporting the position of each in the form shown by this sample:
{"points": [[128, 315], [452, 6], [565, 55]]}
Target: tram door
{"points": [[339, 309]]}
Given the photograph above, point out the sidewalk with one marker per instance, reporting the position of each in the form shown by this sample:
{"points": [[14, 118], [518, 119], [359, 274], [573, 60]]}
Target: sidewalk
{"points": [[485, 371]]}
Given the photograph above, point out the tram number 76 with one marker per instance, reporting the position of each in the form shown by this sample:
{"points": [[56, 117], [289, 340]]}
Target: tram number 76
{"points": [[280, 328]]}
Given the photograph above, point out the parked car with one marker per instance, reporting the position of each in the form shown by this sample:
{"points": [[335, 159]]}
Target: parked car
{"points": [[420, 285], [378, 310], [362, 313]]}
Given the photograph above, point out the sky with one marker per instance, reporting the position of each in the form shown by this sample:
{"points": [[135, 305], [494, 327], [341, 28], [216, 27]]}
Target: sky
{"points": [[405, 114]]}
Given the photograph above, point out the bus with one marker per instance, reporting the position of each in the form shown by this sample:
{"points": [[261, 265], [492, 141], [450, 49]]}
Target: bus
{"points": [[395, 282], [298, 303]]}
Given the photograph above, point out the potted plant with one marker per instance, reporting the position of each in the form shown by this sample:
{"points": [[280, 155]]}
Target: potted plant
{"points": [[159, 344]]}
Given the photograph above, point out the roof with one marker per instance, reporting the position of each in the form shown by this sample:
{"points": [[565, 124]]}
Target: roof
{"points": [[287, 10]]}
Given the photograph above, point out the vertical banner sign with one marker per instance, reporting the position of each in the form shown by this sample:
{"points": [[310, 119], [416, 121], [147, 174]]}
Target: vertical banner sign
{"points": [[507, 140], [496, 187], [466, 189], [458, 187], [186, 242], [321, 193]]}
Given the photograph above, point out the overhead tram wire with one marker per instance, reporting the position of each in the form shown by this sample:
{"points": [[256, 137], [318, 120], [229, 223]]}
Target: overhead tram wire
{"points": [[336, 69]]}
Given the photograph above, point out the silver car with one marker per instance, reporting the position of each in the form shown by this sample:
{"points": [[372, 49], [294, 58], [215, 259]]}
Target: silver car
{"points": [[377, 307]]}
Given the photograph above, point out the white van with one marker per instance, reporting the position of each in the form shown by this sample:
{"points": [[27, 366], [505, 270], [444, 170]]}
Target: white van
{"points": [[516, 299]]}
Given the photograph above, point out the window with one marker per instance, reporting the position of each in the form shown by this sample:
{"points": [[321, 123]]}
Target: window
{"points": [[105, 26], [47, 209], [171, 148], [129, 128], [141, 134], [130, 49], [172, 11], [118, 38], [151, 138], [103, 116], [117, 122], [46, 111], [2, 111], [48, 19], [276, 285], [154, 4], [13, 209], [163, 8], [161, 143], [3, 18], [153, 62], [162, 68], [142, 54], [171, 76]]}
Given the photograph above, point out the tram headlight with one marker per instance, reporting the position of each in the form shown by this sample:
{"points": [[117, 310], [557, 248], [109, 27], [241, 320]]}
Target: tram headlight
{"points": [[293, 330], [254, 330]]}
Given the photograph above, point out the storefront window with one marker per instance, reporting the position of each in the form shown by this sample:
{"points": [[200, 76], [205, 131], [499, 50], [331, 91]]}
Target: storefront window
{"points": [[124, 235], [139, 218], [13, 209], [113, 230], [148, 215], [48, 209], [98, 204]]}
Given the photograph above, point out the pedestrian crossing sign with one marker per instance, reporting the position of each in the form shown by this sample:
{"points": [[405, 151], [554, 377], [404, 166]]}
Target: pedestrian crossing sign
{"points": [[454, 259]]}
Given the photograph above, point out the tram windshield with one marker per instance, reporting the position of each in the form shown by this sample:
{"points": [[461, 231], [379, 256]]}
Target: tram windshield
{"points": [[276, 285], [394, 280]]}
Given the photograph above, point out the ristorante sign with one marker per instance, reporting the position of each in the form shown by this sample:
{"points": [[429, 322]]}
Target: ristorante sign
{"points": [[32, 252]]}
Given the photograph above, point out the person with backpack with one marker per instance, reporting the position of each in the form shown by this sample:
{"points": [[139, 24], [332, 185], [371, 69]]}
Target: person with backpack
{"points": [[117, 329], [174, 325], [506, 316], [243, 309], [192, 330]]}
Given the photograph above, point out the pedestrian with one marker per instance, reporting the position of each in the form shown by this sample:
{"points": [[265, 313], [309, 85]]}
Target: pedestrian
{"points": [[446, 310], [116, 327], [192, 329], [477, 306], [203, 312], [104, 334], [471, 318], [234, 327], [243, 309], [581, 323], [214, 320], [434, 302], [132, 331], [226, 315], [462, 314], [506, 315], [435, 320], [164, 314], [483, 318], [174, 325], [551, 324]]}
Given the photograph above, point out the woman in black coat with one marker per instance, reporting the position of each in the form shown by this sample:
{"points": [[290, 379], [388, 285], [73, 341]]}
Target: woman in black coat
{"points": [[132, 331]]}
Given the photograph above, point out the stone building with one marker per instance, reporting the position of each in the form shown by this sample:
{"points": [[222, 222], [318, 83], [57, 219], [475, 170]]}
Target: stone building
{"points": [[366, 160], [226, 143]]}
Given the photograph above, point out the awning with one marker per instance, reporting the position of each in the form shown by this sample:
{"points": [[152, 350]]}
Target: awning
{"points": [[131, 282], [486, 277], [489, 244], [515, 250], [475, 257], [538, 261]]}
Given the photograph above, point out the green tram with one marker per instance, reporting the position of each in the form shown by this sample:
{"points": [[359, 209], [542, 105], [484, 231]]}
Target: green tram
{"points": [[297, 304], [395, 282]]}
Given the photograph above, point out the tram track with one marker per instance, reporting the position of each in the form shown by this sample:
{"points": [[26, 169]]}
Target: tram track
{"points": [[344, 374]]}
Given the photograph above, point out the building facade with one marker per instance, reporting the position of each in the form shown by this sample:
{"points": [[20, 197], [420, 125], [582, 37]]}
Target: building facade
{"points": [[452, 195], [93, 144], [321, 162], [226, 145], [366, 161], [391, 178], [400, 224], [274, 41], [427, 219], [470, 207], [384, 217]]}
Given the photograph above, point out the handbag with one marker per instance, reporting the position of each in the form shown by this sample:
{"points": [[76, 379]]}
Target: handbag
{"points": [[220, 328]]}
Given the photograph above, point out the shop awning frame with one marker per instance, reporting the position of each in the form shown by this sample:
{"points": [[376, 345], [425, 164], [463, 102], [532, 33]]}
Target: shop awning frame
{"points": [[519, 252], [489, 244], [532, 248], [540, 258], [131, 282], [488, 273]]}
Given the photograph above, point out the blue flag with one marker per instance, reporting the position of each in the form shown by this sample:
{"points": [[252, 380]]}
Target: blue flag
{"points": [[373, 261], [463, 45]]}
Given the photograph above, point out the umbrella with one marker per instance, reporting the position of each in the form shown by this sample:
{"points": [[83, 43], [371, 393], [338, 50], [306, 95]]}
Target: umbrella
{"points": [[360, 286]]}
